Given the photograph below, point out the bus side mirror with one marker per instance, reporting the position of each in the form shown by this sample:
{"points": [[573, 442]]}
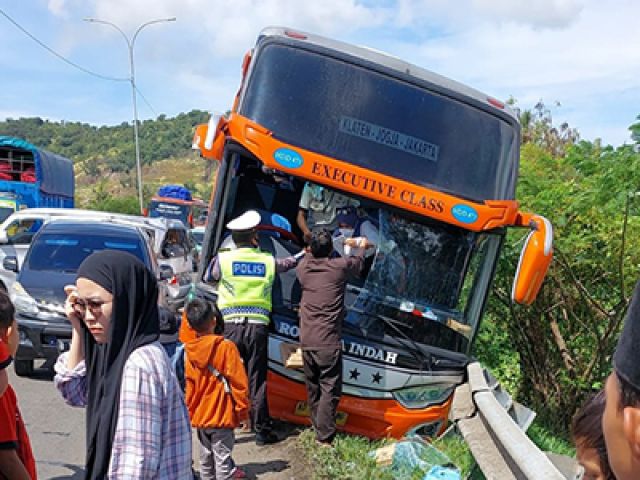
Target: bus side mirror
{"points": [[209, 138], [535, 258]]}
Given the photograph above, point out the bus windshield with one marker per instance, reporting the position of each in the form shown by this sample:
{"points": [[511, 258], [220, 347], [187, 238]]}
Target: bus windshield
{"points": [[381, 122], [421, 264], [427, 283]]}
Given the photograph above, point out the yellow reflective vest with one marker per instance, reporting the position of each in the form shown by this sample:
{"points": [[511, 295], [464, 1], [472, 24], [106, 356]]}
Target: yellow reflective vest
{"points": [[246, 278]]}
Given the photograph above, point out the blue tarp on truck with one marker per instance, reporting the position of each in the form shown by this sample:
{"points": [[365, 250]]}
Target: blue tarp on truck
{"points": [[32, 177]]}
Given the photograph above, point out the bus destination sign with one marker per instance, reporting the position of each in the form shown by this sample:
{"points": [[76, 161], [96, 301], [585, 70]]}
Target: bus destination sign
{"points": [[390, 138]]}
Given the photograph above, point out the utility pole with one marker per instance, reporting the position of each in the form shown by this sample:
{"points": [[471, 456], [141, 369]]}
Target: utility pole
{"points": [[132, 79]]}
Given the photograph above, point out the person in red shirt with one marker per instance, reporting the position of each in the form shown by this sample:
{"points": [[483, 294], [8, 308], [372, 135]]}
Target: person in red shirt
{"points": [[5, 361], [16, 458]]}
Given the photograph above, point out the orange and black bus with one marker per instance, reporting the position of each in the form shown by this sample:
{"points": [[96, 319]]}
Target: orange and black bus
{"points": [[432, 163]]}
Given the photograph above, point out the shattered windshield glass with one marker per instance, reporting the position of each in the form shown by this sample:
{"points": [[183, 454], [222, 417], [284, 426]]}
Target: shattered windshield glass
{"points": [[427, 283], [419, 264]]}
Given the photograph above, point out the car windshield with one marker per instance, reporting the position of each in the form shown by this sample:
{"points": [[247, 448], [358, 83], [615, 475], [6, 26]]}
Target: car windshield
{"points": [[5, 212], [419, 263], [65, 252]]}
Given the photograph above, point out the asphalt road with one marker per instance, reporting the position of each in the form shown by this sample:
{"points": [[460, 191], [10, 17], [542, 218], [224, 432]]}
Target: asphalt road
{"points": [[55, 429]]}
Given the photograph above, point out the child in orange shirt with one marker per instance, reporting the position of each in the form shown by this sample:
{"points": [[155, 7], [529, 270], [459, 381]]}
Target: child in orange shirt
{"points": [[216, 390], [16, 458]]}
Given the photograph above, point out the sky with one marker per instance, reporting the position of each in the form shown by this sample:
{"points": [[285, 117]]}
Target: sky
{"points": [[580, 57]]}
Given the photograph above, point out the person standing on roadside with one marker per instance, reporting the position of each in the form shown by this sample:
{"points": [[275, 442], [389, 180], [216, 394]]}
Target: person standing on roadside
{"points": [[621, 418], [587, 435], [245, 277], [137, 422], [16, 457], [323, 280], [216, 390]]}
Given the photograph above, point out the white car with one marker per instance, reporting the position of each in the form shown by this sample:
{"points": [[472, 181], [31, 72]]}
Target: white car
{"points": [[17, 231]]}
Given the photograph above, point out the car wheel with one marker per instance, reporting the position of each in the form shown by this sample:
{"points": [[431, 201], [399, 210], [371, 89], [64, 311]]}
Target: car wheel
{"points": [[23, 368]]}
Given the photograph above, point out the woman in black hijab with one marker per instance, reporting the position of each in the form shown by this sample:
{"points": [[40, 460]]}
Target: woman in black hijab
{"points": [[137, 423]]}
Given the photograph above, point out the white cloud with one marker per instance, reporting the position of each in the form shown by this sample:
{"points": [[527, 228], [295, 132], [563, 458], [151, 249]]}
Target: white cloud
{"points": [[228, 29], [64, 8], [57, 7], [537, 13]]}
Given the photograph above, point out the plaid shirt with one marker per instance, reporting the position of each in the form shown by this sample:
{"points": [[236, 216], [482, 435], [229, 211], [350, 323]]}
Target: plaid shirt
{"points": [[153, 432]]}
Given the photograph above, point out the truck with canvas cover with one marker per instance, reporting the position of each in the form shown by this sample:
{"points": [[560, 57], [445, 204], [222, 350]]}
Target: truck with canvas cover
{"points": [[31, 177], [430, 163]]}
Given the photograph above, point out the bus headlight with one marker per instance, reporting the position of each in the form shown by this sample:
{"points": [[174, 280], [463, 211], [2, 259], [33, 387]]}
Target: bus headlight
{"points": [[22, 301], [423, 396]]}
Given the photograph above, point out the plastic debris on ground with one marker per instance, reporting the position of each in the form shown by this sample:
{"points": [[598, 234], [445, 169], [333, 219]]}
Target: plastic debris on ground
{"points": [[415, 458]]}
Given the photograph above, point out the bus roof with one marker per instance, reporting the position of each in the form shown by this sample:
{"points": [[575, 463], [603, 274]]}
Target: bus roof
{"points": [[387, 61]]}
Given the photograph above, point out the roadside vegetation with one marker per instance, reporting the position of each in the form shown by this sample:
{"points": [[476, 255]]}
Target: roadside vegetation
{"points": [[96, 150], [104, 157], [553, 354]]}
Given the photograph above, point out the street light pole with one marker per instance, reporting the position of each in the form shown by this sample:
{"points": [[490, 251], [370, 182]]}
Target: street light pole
{"points": [[132, 79]]}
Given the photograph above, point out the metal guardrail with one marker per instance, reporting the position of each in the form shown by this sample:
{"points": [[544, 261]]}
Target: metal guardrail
{"points": [[497, 439]]}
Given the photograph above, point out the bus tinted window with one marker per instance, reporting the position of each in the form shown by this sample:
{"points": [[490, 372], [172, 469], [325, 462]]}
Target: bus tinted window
{"points": [[348, 112], [168, 210]]}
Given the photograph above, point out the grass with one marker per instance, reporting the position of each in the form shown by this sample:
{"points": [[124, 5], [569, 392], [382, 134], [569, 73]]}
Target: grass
{"points": [[350, 458], [548, 441]]}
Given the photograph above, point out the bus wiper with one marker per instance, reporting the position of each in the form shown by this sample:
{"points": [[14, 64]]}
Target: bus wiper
{"points": [[418, 354]]}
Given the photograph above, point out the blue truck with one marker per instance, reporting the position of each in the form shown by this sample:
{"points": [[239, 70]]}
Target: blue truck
{"points": [[32, 177]]}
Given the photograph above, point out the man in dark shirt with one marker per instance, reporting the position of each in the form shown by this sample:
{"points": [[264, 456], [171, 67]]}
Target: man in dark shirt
{"points": [[322, 311]]}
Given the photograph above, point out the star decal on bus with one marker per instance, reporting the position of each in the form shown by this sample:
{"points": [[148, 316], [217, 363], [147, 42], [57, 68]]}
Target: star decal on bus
{"points": [[354, 374], [376, 377]]}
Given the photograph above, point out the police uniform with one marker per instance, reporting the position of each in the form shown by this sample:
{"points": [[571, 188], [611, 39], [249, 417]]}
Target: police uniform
{"points": [[245, 277]]}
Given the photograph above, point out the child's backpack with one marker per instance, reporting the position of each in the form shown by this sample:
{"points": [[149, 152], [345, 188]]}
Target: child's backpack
{"points": [[177, 362]]}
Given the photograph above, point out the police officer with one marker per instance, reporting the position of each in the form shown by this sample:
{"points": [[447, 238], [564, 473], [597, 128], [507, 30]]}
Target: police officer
{"points": [[245, 276]]}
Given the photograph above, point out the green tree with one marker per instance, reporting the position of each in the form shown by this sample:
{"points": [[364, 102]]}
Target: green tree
{"points": [[563, 342], [114, 145], [537, 127]]}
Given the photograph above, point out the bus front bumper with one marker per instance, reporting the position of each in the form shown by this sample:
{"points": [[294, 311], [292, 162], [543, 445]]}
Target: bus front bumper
{"points": [[370, 417]]}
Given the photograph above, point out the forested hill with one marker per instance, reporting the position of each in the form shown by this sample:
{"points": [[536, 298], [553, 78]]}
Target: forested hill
{"points": [[111, 147]]}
